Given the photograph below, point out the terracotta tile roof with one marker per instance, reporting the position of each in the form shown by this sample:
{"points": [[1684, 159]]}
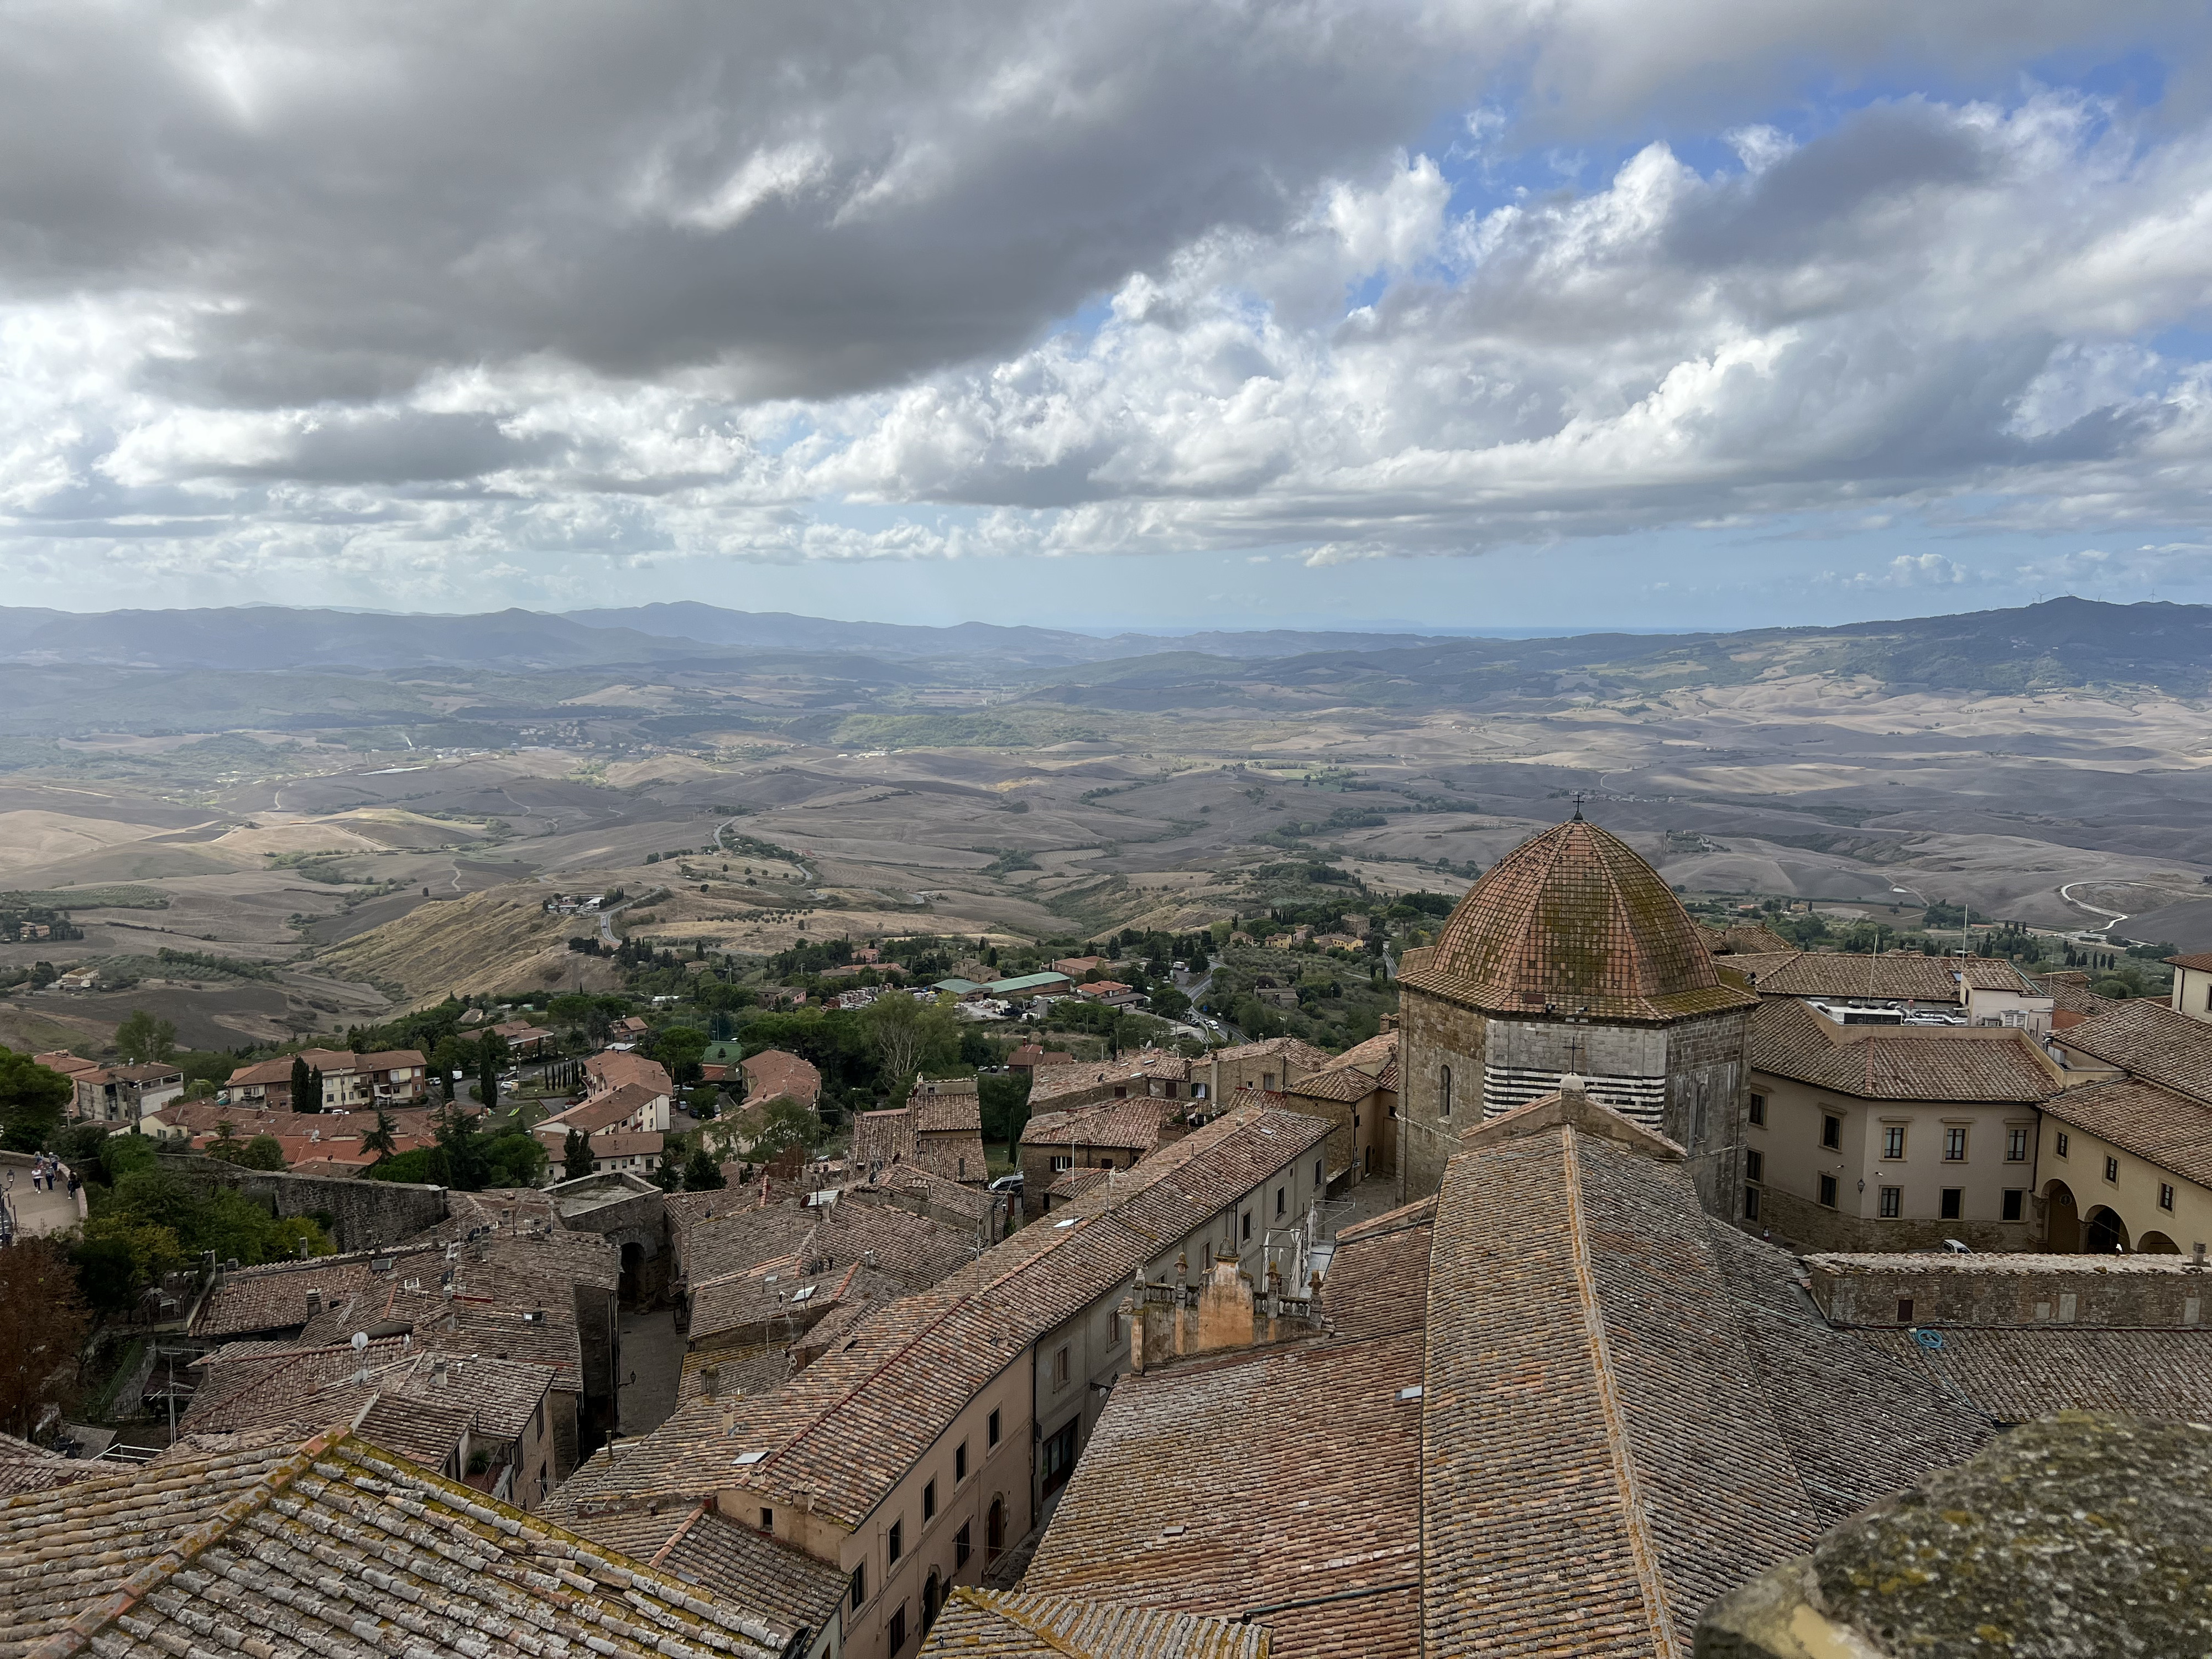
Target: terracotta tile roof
{"points": [[1348, 1083], [1900, 1062], [1180, 1501], [2149, 1040], [388, 1059], [1558, 1364], [2068, 989], [2200, 962], [1573, 919], [946, 1106], [784, 1296], [1028, 1626], [746, 1369], [772, 1072], [288, 1388], [274, 1297], [2173, 1130], [601, 1111], [882, 1139], [1299, 1056], [1895, 975], [26, 1468], [1069, 1183], [736, 1563], [2017, 1375], [1135, 1123], [612, 1068], [913, 1180], [912, 1250], [333, 1547], [844, 1431]]}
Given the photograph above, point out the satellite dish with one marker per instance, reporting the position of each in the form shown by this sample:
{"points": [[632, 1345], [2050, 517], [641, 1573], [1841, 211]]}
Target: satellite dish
{"points": [[360, 1341]]}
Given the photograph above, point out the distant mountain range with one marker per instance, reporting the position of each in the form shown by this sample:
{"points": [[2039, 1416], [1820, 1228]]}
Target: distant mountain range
{"points": [[2060, 642]]}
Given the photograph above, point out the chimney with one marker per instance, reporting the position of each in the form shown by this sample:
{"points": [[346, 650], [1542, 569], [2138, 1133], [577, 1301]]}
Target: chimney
{"points": [[710, 1380], [438, 1373], [1390, 1024], [314, 1302]]}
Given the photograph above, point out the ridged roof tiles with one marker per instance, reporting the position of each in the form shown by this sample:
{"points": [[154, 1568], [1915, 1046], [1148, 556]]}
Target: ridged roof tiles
{"points": [[1572, 920]]}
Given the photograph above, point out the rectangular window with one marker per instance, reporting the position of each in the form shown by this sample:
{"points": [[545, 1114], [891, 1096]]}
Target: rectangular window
{"points": [[1831, 1131], [2112, 1170], [1954, 1145], [768, 1520], [960, 1462], [1828, 1191], [2015, 1203], [1057, 1460], [961, 1551], [1754, 1165], [897, 1630], [859, 1585], [1248, 1226], [1892, 1203], [1892, 1140], [992, 1430], [928, 1502], [1060, 1164], [2062, 1143], [894, 1546], [1954, 1203], [2164, 1195], [1759, 1110], [2016, 1145], [1059, 1367], [1751, 1204], [1355, 1124], [1279, 1202], [1905, 1310]]}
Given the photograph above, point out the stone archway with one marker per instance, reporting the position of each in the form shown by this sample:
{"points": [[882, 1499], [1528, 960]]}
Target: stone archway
{"points": [[632, 1263], [2061, 1219], [2103, 1233], [2156, 1244]]}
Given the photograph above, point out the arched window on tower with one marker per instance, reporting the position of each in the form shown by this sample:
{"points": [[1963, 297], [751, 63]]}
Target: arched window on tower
{"points": [[1444, 1091]]}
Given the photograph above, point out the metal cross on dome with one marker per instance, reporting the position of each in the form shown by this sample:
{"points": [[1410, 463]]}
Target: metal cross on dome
{"points": [[1579, 799]]}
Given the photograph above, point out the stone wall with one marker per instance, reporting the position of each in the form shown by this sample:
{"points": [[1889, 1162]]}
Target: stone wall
{"points": [[1810, 1225], [358, 1214], [1433, 1034], [2025, 1290], [1708, 1070], [627, 1212]]}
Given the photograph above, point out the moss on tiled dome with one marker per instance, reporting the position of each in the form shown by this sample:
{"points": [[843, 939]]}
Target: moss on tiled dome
{"points": [[1573, 922]]}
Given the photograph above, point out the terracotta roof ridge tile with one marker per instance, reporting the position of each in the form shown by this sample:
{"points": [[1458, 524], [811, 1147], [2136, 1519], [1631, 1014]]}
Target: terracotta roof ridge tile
{"points": [[1636, 1520], [677, 1537], [1031, 1626]]}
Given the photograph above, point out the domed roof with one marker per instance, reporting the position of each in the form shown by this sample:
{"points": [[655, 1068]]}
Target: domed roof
{"points": [[1572, 922]]}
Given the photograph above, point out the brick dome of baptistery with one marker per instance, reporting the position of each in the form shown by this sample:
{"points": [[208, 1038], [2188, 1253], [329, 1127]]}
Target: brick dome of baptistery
{"points": [[1573, 923]]}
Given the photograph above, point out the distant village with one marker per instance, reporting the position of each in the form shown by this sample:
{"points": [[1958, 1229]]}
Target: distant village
{"points": [[1548, 1271]]}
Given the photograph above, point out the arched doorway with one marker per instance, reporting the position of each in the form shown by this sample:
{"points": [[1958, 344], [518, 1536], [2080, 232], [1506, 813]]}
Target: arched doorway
{"points": [[2156, 1244], [995, 1531], [2103, 1233], [932, 1597], [2061, 1224]]}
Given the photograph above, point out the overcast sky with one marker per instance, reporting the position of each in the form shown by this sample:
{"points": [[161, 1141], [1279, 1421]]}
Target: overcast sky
{"points": [[1522, 312]]}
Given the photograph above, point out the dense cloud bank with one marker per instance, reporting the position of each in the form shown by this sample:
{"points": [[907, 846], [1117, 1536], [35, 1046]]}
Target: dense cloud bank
{"points": [[375, 289]]}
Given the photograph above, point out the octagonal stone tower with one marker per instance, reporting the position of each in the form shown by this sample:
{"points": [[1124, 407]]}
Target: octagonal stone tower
{"points": [[1571, 956]]}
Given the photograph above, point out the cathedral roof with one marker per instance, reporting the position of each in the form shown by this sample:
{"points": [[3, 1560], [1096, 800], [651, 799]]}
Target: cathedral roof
{"points": [[1572, 922]]}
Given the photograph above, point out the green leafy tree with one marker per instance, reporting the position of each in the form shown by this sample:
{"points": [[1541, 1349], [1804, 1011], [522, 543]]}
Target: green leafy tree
{"points": [[702, 1174], [778, 1125], [384, 1138], [678, 1048], [121, 1154], [262, 1152], [1004, 1103], [33, 1102], [118, 1257], [225, 1144], [459, 1160], [576, 1159], [514, 1159], [306, 1086], [44, 1315], [668, 1168], [144, 1038]]}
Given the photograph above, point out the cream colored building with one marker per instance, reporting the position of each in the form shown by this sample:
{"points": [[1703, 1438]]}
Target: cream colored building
{"points": [[2126, 1166], [1892, 1137], [2192, 986]]}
